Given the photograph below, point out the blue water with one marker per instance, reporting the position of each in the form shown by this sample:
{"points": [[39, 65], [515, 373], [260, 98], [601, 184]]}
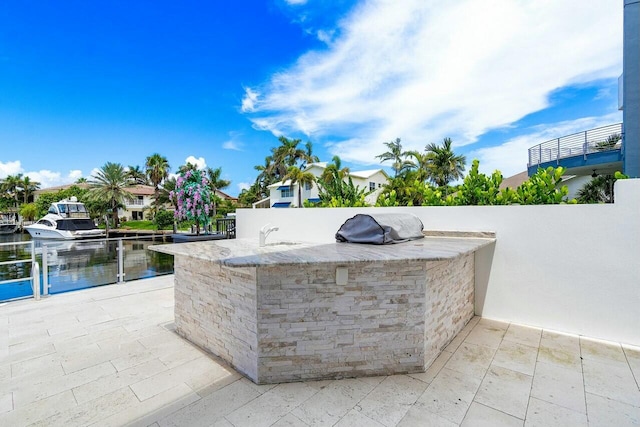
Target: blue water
{"points": [[78, 264]]}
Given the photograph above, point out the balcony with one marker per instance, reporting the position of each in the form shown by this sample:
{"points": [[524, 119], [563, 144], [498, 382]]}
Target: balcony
{"points": [[581, 152]]}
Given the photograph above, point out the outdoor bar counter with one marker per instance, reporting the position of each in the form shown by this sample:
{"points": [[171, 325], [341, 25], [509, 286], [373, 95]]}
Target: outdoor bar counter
{"points": [[297, 311]]}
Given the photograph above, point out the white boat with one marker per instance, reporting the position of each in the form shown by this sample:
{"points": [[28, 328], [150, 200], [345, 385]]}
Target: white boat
{"points": [[67, 219], [8, 223]]}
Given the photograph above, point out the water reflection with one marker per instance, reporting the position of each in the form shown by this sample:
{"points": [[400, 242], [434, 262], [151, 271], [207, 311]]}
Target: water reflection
{"points": [[79, 264]]}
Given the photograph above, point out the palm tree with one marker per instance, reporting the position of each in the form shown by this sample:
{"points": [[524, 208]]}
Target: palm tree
{"points": [[11, 185], [421, 164], [308, 152], [81, 180], [396, 155], [598, 190], [216, 183], [446, 166], [334, 171], [109, 186], [158, 169], [286, 155], [301, 178], [136, 175], [28, 187]]}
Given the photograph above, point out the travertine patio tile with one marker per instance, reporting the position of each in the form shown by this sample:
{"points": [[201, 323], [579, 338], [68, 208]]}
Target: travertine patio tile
{"points": [[434, 369], [20, 354], [560, 349], [601, 351], [117, 380], [450, 395], [545, 414], [633, 358], [333, 402], [126, 330], [271, 406], [159, 406], [75, 345], [603, 412], [559, 385], [26, 393], [517, 357], [167, 379], [483, 416], [40, 410], [524, 335], [356, 419], [389, 402], [419, 416], [41, 364], [6, 402], [290, 420], [611, 380], [506, 391], [5, 374], [459, 339], [487, 333], [211, 408], [471, 359], [127, 361], [93, 411]]}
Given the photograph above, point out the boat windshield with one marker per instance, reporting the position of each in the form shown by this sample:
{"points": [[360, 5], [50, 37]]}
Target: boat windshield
{"points": [[69, 210]]}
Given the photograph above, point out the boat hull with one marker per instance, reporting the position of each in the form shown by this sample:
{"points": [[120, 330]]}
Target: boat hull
{"points": [[8, 228], [38, 231]]}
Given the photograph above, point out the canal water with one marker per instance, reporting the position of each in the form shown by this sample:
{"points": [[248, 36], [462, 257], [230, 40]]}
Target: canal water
{"points": [[78, 264]]}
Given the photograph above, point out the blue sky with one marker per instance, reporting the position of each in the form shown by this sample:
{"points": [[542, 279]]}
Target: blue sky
{"points": [[84, 83]]}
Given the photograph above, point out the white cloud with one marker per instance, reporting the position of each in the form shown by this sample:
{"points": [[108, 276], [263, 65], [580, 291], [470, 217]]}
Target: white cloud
{"points": [[10, 168], [232, 143], [45, 177], [249, 100], [511, 157], [295, 2], [243, 186], [199, 162], [432, 69], [48, 178]]}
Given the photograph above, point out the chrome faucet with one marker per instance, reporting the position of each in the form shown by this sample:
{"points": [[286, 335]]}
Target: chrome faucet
{"points": [[265, 231]]}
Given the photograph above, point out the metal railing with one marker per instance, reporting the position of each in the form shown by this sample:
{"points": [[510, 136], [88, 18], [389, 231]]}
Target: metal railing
{"points": [[131, 256], [33, 275], [578, 144]]}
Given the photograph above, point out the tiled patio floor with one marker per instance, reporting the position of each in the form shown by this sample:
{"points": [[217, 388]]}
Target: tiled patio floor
{"points": [[107, 356]]}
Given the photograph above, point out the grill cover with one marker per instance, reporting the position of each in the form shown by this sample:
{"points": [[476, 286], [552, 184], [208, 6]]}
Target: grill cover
{"points": [[380, 229]]}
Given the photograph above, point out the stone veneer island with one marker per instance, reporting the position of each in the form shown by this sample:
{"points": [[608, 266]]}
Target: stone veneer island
{"points": [[294, 312]]}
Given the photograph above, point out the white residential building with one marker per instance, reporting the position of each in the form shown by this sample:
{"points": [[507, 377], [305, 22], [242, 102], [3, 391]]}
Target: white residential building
{"points": [[284, 195]]}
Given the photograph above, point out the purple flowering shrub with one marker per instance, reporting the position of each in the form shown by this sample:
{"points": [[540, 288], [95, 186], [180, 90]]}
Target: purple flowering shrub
{"points": [[193, 198]]}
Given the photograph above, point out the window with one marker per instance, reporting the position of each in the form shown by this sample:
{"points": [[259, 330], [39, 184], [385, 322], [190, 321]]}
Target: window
{"points": [[372, 186], [286, 192], [308, 186]]}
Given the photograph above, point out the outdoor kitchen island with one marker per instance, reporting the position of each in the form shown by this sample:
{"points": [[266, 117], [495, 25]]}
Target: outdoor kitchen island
{"points": [[297, 311]]}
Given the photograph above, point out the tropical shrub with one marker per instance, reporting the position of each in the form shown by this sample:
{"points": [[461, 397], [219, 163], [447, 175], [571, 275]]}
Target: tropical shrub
{"points": [[163, 219], [543, 188], [479, 189], [29, 211]]}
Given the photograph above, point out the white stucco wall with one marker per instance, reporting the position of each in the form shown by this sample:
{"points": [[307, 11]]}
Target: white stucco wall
{"points": [[571, 268]]}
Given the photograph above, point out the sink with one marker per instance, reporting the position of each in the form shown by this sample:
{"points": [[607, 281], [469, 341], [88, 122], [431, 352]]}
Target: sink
{"points": [[282, 244]]}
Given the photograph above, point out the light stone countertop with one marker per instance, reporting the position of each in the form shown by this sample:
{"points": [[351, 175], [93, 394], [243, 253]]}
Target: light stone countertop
{"points": [[247, 253]]}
